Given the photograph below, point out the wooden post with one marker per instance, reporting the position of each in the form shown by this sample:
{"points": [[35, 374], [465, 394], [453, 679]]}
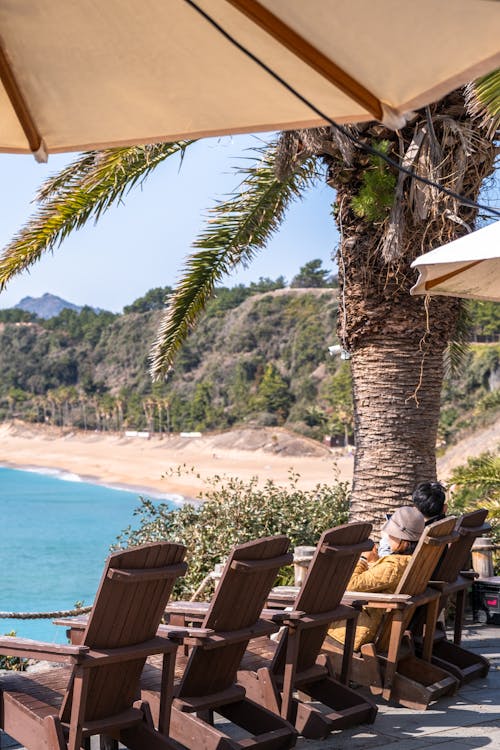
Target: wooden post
{"points": [[302, 557], [214, 575], [482, 556]]}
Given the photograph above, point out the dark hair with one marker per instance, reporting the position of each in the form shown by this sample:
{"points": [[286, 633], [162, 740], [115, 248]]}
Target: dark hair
{"points": [[429, 498], [405, 547]]}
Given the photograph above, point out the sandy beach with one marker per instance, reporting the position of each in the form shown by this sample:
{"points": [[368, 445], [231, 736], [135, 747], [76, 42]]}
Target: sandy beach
{"points": [[150, 465], [142, 464]]}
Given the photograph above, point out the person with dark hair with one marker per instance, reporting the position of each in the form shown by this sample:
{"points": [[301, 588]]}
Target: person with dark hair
{"points": [[430, 499], [403, 529]]}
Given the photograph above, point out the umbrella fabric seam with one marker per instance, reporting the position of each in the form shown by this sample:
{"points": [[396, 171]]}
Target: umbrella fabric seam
{"points": [[18, 103], [309, 54], [366, 147], [445, 276]]}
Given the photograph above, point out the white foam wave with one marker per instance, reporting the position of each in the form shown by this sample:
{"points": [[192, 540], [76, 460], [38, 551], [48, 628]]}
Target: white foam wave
{"points": [[65, 476]]}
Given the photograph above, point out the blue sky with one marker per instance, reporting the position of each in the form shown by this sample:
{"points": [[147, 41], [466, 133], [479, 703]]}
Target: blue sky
{"points": [[142, 243]]}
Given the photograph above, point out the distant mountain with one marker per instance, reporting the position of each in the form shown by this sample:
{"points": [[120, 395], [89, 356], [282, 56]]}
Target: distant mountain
{"points": [[46, 306]]}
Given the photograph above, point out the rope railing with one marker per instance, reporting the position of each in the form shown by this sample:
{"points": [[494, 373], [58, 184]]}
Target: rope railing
{"points": [[43, 615]]}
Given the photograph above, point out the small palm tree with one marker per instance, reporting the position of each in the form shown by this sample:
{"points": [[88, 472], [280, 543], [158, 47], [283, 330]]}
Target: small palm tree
{"points": [[477, 485], [478, 482], [385, 220]]}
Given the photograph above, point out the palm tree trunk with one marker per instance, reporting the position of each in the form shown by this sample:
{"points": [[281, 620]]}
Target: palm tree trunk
{"points": [[396, 391], [396, 341]]}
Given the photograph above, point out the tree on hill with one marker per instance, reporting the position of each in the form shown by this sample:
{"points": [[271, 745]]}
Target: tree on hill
{"points": [[386, 218], [339, 396], [15, 315], [273, 393], [484, 320], [311, 275], [267, 284], [155, 299]]}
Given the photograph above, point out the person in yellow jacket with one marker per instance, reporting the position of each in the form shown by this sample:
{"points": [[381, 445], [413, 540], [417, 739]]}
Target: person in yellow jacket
{"points": [[382, 575]]}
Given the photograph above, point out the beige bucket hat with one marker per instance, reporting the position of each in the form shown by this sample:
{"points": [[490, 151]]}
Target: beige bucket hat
{"points": [[405, 523]]}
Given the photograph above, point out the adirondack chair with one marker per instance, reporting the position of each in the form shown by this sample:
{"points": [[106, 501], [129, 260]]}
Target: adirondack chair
{"points": [[206, 677], [96, 690], [452, 578], [389, 665], [271, 671]]}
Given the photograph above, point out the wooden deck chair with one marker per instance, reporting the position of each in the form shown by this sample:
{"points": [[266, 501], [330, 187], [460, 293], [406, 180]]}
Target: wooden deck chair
{"points": [[272, 671], [452, 578], [389, 666], [206, 678], [96, 691]]}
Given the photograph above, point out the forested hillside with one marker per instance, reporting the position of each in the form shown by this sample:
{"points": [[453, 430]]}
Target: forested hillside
{"points": [[259, 356]]}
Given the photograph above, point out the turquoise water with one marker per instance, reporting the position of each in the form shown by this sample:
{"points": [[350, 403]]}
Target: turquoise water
{"points": [[55, 535]]}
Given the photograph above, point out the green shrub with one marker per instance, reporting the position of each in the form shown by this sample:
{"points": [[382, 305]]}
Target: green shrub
{"points": [[234, 511], [378, 183], [13, 663]]}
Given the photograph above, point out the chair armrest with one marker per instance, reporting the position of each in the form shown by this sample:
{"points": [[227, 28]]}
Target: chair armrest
{"points": [[181, 634], [280, 615], [342, 612], [175, 633], [194, 609], [469, 574], [78, 623], [439, 585], [387, 601], [216, 639], [56, 652], [284, 592], [157, 645], [282, 596]]}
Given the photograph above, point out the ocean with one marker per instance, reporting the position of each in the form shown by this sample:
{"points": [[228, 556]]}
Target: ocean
{"points": [[55, 533]]}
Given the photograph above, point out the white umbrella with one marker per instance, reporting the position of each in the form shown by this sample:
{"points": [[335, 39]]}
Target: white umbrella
{"points": [[467, 267], [78, 74]]}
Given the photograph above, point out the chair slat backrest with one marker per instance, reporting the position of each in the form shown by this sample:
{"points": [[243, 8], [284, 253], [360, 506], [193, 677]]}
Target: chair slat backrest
{"points": [[134, 590], [456, 557], [248, 576], [420, 569], [329, 572]]}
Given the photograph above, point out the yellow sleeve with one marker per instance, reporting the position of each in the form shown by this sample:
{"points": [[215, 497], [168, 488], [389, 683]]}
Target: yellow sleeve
{"points": [[382, 576]]}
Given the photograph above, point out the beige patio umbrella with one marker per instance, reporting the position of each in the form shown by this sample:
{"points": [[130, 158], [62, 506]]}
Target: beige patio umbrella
{"points": [[97, 73], [467, 267]]}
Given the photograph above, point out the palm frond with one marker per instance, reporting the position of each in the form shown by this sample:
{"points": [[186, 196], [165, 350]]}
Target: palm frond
{"points": [[455, 355], [83, 190], [482, 98], [481, 471], [67, 176], [236, 230]]}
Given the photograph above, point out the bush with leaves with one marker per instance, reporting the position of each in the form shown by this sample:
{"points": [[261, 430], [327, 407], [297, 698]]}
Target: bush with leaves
{"points": [[13, 663], [235, 511], [376, 194]]}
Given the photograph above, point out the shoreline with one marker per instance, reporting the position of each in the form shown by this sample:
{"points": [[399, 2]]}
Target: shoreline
{"points": [[177, 467], [67, 476], [154, 467]]}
